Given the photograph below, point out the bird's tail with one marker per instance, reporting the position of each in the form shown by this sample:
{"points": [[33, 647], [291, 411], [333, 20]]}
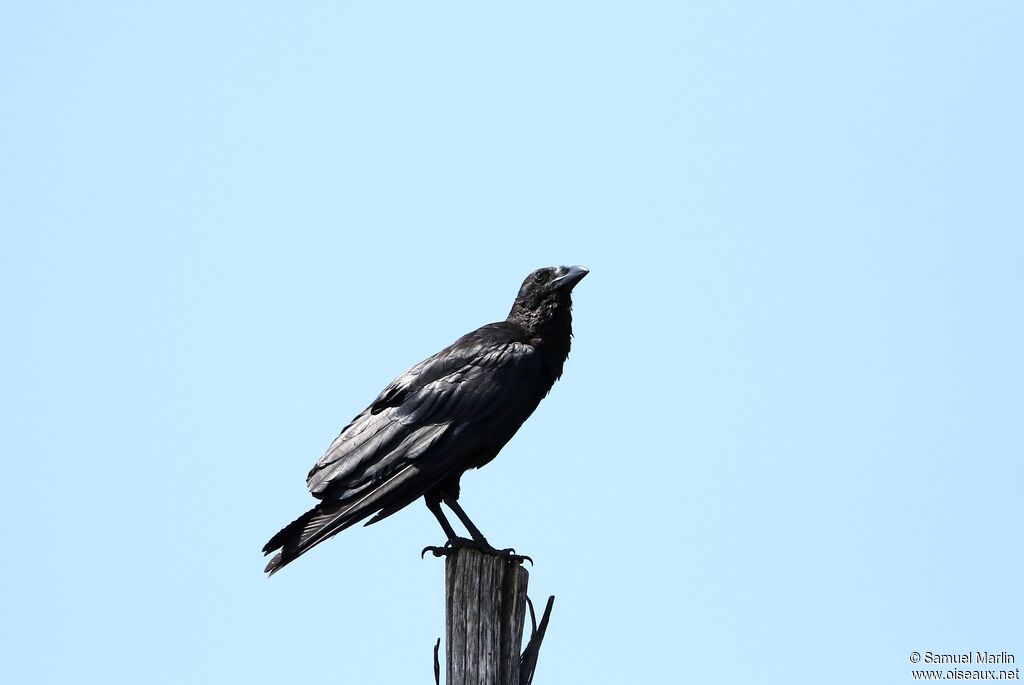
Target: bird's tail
{"points": [[329, 518], [306, 532]]}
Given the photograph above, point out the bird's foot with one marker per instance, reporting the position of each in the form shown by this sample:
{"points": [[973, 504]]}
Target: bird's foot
{"points": [[508, 554]]}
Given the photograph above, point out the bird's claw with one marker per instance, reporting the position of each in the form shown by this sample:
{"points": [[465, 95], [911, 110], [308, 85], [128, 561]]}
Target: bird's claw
{"points": [[509, 553], [513, 557], [450, 546], [437, 551]]}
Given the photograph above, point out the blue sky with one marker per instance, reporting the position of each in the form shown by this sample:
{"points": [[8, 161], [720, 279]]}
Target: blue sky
{"points": [[787, 445]]}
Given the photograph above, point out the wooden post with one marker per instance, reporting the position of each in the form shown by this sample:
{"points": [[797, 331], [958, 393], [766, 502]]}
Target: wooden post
{"points": [[485, 598]]}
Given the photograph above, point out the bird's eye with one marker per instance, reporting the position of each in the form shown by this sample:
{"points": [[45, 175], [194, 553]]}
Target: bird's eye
{"points": [[539, 277]]}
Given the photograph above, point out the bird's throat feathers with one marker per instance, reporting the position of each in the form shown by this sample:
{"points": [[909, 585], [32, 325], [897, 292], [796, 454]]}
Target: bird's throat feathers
{"points": [[549, 327]]}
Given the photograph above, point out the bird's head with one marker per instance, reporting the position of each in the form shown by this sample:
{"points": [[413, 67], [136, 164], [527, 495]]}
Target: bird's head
{"points": [[545, 293]]}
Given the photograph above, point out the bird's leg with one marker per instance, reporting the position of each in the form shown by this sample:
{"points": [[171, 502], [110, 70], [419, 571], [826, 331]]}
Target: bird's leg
{"points": [[434, 504], [435, 508], [479, 541], [454, 505]]}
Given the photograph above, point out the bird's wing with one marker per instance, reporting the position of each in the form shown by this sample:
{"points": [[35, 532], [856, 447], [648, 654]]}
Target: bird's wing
{"points": [[435, 403]]}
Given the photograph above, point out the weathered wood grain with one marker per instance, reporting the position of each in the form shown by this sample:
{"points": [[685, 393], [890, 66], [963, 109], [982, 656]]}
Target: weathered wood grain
{"points": [[485, 597]]}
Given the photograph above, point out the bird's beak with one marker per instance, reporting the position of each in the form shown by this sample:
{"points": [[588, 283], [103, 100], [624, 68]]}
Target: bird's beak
{"points": [[572, 276]]}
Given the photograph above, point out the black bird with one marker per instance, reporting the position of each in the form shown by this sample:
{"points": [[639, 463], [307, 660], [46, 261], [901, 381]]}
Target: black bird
{"points": [[449, 413]]}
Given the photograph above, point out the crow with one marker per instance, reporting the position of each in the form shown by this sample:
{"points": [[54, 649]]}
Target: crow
{"points": [[451, 412]]}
